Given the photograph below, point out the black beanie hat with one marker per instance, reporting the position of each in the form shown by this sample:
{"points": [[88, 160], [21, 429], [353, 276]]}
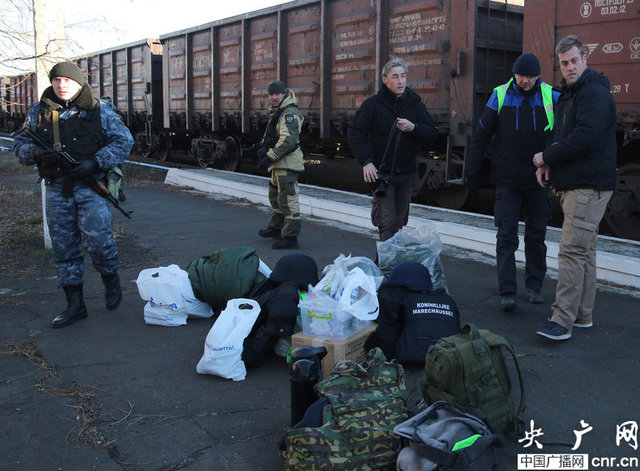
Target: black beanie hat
{"points": [[527, 64], [68, 70], [276, 87]]}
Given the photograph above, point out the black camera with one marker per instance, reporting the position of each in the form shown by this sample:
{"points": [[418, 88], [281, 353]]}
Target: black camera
{"points": [[380, 185]]}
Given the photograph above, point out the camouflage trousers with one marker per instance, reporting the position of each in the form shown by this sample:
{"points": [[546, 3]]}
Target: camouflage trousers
{"points": [[283, 196], [83, 217]]}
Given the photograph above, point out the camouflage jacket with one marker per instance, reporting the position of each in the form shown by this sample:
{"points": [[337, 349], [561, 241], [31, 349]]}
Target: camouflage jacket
{"points": [[365, 403], [286, 153]]}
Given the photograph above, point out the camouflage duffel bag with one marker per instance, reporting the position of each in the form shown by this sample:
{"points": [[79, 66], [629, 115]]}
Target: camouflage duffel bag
{"points": [[365, 403]]}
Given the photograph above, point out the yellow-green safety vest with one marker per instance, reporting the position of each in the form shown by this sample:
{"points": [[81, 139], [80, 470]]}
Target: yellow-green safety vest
{"points": [[547, 100]]}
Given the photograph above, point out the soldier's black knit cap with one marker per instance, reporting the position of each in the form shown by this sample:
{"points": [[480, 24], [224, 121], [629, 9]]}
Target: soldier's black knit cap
{"points": [[276, 87], [527, 64], [68, 70]]}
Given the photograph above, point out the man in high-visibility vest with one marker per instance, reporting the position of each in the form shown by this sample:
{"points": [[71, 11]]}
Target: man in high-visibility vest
{"points": [[515, 124]]}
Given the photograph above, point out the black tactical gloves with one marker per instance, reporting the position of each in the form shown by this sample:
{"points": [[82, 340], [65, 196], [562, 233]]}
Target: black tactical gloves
{"points": [[262, 156], [45, 156], [265, 162], [84, 168]]}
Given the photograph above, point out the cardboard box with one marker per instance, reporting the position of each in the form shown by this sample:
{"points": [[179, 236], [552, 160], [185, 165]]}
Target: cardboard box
{"points": [[351, 348]]}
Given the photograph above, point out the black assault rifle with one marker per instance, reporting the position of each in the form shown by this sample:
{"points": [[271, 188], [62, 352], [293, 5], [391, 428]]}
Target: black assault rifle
{"points": [[92, 182]]}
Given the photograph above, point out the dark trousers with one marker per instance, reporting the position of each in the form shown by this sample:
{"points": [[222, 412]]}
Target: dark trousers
{"points": [[536, 211], [390, 213]]}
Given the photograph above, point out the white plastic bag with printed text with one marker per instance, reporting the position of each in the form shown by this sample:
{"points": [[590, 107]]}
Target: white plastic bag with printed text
{"points": [[359, 297], [170, 296], [223, 345]]}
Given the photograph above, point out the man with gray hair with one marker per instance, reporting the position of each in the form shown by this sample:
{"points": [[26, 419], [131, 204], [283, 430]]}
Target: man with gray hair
{"points": [[581, 162], [385, 135]]}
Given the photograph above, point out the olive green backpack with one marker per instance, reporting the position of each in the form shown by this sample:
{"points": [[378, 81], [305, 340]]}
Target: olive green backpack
{"points": [[469, 369]]}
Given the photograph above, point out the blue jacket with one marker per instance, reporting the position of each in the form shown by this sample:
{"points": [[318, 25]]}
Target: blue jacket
{"points": [[519, 132], [116, 138]]}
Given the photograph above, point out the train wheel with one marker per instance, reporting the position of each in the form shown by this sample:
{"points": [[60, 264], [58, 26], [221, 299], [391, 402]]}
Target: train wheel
{"points": [[163, 151], [231, 159], [203, 163], [453, 197], [619, 216]]}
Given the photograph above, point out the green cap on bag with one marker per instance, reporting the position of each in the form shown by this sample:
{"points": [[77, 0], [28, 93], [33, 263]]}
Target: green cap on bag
{"points": [[466, 442]]}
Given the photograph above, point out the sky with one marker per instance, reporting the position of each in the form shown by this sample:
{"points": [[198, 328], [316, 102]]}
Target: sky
{"points": [[124, 21], [95, 25]]}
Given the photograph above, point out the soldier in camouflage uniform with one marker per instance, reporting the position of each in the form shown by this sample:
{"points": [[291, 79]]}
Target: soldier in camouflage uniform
{"points": [[281, 154], [70, 119]]}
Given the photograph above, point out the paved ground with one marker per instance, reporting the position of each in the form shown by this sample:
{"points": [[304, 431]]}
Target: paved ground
{"points": [[112, 393]]}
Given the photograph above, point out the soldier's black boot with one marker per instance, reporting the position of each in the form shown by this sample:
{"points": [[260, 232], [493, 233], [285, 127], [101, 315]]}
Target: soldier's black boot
{"points": [[271, 233], [112, 291], [286, 243], [76, 309]]}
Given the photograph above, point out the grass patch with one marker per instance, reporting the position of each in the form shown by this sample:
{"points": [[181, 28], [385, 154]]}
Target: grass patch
{"points": [[9, 164]]}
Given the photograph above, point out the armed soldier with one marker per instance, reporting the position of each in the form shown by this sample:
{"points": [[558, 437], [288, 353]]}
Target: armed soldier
{"points": [[281, 154], [71, 121]]}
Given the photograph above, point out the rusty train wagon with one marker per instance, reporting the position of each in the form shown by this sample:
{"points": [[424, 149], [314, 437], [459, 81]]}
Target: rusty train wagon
{"points": [[330, 53], [130, 77], [18, 92], [610, 32]]}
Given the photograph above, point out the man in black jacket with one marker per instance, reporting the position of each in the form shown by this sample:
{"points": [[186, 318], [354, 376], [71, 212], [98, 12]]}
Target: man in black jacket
{"points": [[581, 162], [519, 119], [385, 135]]}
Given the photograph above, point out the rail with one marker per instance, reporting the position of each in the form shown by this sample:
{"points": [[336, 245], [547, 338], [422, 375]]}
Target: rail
{"points": [[3, 146]]}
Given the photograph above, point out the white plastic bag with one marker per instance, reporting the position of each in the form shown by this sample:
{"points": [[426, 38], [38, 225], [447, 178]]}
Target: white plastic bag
{"points": [[223, 345], [359, 297], [170, 296]]}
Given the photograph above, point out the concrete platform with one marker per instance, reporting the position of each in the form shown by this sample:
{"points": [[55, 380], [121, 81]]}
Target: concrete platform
{"points": [[617, 261], [112, 393]]}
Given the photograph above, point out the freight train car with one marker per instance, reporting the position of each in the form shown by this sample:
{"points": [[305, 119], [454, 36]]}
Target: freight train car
{"points": [[130, 77], [17, 92], [610, 31], [330, 54]]}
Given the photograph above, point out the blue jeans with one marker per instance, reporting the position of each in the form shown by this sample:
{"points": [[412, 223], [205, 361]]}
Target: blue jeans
{"points": [[536, 210]]}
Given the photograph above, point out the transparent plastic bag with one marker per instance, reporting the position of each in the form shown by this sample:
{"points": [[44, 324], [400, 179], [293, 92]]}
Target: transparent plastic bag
{"points": [[421, 244], [322, 315]]}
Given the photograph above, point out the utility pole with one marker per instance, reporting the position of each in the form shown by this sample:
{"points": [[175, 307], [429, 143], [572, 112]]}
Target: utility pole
{"points": [[50, 47]]}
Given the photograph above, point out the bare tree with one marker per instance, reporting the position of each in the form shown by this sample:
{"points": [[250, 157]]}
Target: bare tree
{"points": [[17, 52], [19, 40]]}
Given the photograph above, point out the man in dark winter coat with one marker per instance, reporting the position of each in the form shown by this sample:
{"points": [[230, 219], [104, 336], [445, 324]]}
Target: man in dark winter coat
{"points": [[412, 316], [70, 119], [519, 117], [385, 135], [581, 162]]}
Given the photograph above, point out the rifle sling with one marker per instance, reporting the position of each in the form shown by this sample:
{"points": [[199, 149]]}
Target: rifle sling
{"points": [[56, 131]]}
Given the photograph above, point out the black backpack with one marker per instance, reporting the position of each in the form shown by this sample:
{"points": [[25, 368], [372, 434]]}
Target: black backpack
{"points": [[446, 436], [469, 369]]}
